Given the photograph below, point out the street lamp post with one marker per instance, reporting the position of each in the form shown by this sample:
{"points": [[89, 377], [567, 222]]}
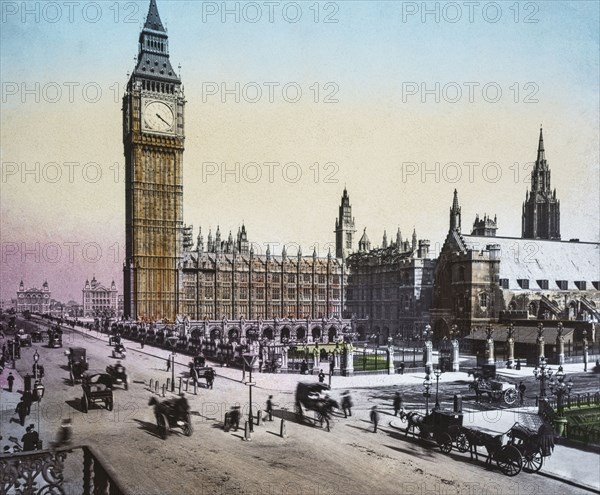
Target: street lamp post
{"points": [[560, 388], [585, 350], [36, 358], [542, 373], [250, 359], [437, 372], [426, 394], [173, 341]]}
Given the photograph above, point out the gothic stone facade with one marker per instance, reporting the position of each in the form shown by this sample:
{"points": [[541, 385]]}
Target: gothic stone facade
{"points": [[481, 278], [234, 284], [389, 289]]}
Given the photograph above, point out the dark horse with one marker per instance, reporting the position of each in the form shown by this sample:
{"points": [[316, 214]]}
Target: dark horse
{"points": [[475, 437], [414, 419], [311, 397]]}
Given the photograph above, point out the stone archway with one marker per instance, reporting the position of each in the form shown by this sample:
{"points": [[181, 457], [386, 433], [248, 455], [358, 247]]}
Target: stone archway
{"points": [[301, 333], [362, 332], [285, 334], [316, 334], [332, 334], [268, 333], [234, 334], [215, 333]]}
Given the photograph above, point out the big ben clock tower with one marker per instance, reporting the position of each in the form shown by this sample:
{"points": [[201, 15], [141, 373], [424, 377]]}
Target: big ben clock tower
{"points": [[153, 137]]}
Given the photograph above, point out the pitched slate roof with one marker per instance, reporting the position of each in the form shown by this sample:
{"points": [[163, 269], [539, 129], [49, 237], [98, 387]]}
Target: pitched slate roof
{"points": [[536, 259]]}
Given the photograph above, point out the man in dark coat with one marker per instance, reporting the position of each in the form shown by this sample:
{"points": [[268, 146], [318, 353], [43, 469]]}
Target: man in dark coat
{"points": [[321, 376], [374, 418], [27, 400], [522, 389], [10, 379], [30, 439], [21, 410], [397, 403], [347, 404], [270, 407]]}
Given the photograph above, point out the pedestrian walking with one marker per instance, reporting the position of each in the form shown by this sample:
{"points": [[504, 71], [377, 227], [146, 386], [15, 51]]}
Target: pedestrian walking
{"points": [[142, 342], [374, 418], [65, 433], [30, 439], [303, 367], [234, 417], [10, 379], [270, 407], [331, 366], [522, 389], [321, 376], [169, 363], [21, 410], [27, 400], [210, 378], [397, 403], [347, 404]]}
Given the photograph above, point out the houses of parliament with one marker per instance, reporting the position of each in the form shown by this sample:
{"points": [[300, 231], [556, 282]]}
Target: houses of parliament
{"points": [[392, 289]]}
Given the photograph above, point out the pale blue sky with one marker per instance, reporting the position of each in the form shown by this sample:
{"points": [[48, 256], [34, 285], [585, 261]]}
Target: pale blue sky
{"points": [[369, 133]]}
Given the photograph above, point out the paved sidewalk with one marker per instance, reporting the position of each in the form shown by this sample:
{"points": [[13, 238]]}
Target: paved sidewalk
{"points": [[578, 467]]}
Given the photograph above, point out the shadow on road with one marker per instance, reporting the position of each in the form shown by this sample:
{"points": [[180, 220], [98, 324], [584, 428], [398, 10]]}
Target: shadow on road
{"points": [[150, 428], [75, 404]]}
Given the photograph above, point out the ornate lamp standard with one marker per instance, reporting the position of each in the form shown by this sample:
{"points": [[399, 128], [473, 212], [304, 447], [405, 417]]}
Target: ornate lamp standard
{"points": [[426, 394], [542, 373], [437, 372], [172, 341], [560, 388], [36, 358], [250, 359], [585, 350]]}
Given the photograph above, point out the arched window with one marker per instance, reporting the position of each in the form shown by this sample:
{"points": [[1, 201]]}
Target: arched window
{"points": [[483, 299]]}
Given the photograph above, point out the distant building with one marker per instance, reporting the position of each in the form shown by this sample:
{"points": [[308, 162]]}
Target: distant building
{"points": [[33, 299], [99, 300]]}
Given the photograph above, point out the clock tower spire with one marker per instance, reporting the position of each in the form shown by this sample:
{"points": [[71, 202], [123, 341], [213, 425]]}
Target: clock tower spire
{"points": [[153, 139]]}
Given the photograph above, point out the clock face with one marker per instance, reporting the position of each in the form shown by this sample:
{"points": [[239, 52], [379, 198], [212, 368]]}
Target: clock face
{"points": [[158, 116]]}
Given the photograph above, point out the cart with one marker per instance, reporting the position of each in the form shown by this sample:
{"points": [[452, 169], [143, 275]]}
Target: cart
{"points": [[97, 388]]}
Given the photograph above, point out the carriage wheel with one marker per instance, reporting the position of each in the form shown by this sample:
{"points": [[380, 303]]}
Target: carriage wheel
{"points": [[163, 426], [462, 444], [509, 460], [72, 377], [510, 396], [84, 404], [126, 383], [109, 404], [188, 429], [532, 462], [444, 441]]}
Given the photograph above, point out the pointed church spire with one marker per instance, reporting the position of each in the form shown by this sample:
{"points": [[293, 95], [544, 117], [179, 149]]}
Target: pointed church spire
{"points": [[541, 155], [455, 213], [384, 243], [153, 21], [414, 239]]}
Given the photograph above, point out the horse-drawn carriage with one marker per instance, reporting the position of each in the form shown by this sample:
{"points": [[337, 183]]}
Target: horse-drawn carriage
{"points": [[198, 370], [444, 427], [23, 339], [36, 335], [172, 413], [97, 387], [55, 337], [485, 381], [314, 397], [77, 362], [119, 351], [118, 374]]}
